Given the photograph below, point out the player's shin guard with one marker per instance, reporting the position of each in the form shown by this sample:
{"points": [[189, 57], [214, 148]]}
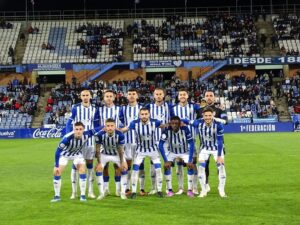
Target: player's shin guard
{"points": [[99, 179], [168, 177], [118, 184], [57, 185], [123, 181], [74, 179], [190, 177], [195, 179], [179, 173], [90, 177], [202, 176], [128, 177], [222, 176], [82, 184], [158, 176], [142, 176], [134, 178], [153, 177]]}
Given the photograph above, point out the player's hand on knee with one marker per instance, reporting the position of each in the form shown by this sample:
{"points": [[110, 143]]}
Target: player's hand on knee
{"points": [[99, 167], [220, 160], [56, 171], [124, 166], [190, 165], [168, 165]]}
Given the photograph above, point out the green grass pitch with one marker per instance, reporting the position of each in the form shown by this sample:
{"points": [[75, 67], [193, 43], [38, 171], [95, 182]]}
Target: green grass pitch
{"points": [[263, 187]]}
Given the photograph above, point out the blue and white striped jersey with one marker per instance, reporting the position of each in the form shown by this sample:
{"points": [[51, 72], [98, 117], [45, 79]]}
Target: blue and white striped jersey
{"points": [[70, 146], [89, 116], [127, 115], [110, 143], [109, 112], [161, 113], [178, 141], [210, 135], [187, 112], [145, 134]]}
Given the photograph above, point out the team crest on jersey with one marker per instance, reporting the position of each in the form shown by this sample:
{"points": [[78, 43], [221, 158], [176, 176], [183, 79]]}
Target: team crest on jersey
{"points": [[160, 117], [147, 137], [62, 145], [163, 136]]}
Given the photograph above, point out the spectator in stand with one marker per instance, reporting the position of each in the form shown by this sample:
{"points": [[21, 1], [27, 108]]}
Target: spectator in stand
{"points": [[48, 108], [50, 100]]}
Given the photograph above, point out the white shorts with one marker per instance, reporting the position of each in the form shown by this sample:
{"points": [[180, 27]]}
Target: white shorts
{"points": [[129, 151], [88, 152], [77, 160], [204, 154], [110, 158], [139, 157], [172, 156]]}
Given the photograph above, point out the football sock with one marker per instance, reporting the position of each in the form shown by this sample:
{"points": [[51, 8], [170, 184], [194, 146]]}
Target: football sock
{"points": [[57, 185]]}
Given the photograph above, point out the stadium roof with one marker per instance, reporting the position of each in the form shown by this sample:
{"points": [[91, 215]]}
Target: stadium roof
{"points": [[19, 5]]}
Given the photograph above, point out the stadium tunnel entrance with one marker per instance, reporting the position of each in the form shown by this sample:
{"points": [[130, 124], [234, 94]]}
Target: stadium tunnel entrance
{"points": [[155, 74], [277, 70], [53, 77]]}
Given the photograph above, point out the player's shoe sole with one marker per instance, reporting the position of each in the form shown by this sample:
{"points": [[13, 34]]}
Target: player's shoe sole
{"points": [[56, 199], [179, 192], [202, 194], [100, 197]]}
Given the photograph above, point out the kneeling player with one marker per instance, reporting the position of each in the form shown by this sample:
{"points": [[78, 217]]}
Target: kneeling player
{"points": [[181, 146], [113, 145], [211, 143], [70, 148]]}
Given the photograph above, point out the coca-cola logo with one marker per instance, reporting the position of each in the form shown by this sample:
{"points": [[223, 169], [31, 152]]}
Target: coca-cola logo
{"points": [[52, 133]]}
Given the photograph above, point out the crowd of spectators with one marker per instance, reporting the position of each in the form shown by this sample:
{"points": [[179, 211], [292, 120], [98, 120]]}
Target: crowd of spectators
{"points": [[97, 36], [20, 96], [290, 89], [5, 25], [240, 28]]}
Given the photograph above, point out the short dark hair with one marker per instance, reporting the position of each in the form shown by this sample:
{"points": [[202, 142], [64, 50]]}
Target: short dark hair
{"points": [[183, 89], [208, 109], [175, 118], [110, 120], [132, 90], [144, 109], [79, 123], [109, 91], [209, 90], [159, 89]]}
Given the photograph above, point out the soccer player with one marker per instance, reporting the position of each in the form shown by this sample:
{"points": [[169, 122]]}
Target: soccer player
{"points": [[129, 113], [219, 115], [211, 143], [144, 129], [186, 111], [112, 142], [181, 145], [159, 110], [70, 148], [89, 116], [106, 111]]}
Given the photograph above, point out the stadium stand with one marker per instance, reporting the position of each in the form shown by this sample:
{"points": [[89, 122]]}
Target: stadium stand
{"points": [[201, 38], [287, 30], [75, 41], [18, 104], [9, 33]]}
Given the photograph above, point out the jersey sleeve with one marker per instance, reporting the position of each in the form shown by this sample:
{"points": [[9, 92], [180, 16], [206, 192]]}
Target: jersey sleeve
{"points": [[97, 119], [220, 139], [62, 144], [69, 126], [157, 123], [121, 115], [121, 139], [132, 125], [188, 133]]}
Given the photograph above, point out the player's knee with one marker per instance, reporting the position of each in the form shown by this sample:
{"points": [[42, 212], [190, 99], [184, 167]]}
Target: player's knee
{"points": [[81, 169]]}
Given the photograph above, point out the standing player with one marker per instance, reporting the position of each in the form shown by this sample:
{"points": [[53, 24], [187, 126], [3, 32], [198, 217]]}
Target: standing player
{"points": [[186, 111], [219, 115], [70, 148], [129, 113], [181, 145], [110, 110], [144, 128], [112, 142], [89, 116], [159, 110], [211, 143]]}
